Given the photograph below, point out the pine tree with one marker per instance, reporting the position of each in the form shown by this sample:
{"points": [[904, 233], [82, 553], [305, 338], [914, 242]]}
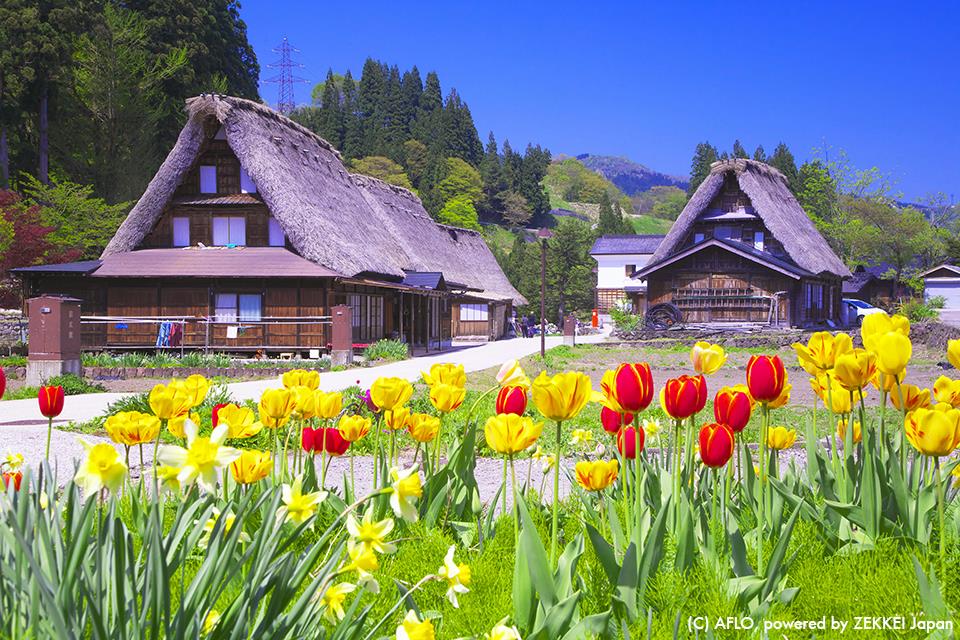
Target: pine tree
{"points": [[352, 124], [394, 131], [491, 175], [607, 223], [760, 155], [330, 118], [511, 167], [371, 96], [411, 87], [738, 150], [783, 161], [460, 139], [533, 168], [703, 157], [427, 125]]}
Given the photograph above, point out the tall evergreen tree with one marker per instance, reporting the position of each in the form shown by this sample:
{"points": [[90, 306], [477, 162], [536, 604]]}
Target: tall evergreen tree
{"points": [[783, 161], [759, 154], [427, 124], [331, 116], [371, 104], [352, 124], [703, 157], [411, 88], [533, 167], [738, 150], [460, 139], [395, 127], [491, 174]]}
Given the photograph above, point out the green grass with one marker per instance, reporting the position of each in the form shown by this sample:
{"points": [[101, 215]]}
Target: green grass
{"points": [[72, 384], [647, 224]]}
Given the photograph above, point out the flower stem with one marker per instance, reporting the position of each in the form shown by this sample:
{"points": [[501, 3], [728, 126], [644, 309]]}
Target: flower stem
{"points": [[49, 433], [765, 409], [376, 450], [556, 499], [636, 477], [940, 516], [516, 512]]}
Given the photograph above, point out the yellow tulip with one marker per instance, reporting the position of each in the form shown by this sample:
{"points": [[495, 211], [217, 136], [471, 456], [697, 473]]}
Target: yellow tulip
{"points": [[953, 354], [397, 419], [913, 397], [819, 386], [306, 401], [511, 375], [509, 433], [820, 353], [781, 437], [132, 427], [276, 406], [893, 351], [446, 397], [877, 324], [252, 466], [178, 426], [707, 358], [784, 396], [240, 421], [329, 404], [413, 628], [452, 374], [596, 475], [102, 468], [855, 369], [887, 383], [842, 430], [934, 432], [353, 428], [423, 427], [390, 393], [168, 401], [301, 378], [195, 387], [561, 397], [840, 397], [947, 390]]}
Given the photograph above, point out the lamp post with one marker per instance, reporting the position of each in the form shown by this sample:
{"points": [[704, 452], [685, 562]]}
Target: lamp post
{"points": [[544, 234]]}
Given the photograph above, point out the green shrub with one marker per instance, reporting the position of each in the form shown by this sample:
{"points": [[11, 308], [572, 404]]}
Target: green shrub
{"points": [[918, 310], [623, 320], [13, 361], [73, 385], [386, 350]]}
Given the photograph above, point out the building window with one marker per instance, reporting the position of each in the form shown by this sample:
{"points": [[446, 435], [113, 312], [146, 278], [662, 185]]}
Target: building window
{"points": [[723, 233], [231, 307], [277, 237], [697, 238], [246, 184], [366, 317], [208, 179], [629, 269], [229, 231], [181, 231], [758, 240], [473, 313]]}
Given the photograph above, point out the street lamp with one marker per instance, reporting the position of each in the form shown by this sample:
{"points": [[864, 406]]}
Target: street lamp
{"points": [[544, 234]]}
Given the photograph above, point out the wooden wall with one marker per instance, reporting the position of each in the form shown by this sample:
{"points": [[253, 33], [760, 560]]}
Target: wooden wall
{"points": [[494, 328]]}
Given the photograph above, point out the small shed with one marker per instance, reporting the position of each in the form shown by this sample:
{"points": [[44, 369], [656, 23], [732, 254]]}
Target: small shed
{"points": [[943, 281]]}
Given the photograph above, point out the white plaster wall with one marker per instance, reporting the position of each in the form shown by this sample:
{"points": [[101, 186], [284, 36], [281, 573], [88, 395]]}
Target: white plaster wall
{"points": [[611, 270]]}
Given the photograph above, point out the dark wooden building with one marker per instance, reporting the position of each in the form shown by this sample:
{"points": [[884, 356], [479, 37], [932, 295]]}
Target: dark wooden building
{"points": [[253, 229], [743, 250]]}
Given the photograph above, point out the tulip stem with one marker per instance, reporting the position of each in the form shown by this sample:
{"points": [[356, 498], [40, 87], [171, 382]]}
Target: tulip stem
{"points": [[516, 513], [765, 410], [636, 475], [940, 516], [503, 496], [556, 498], [676, 469], [436, 449], [376, 450]]}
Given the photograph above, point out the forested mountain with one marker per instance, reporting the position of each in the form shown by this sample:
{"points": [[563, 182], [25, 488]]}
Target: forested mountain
{"points": [[630, 177]]}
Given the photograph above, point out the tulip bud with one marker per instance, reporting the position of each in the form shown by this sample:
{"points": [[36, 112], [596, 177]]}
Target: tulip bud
{"points": [[627, 442], [612, 421], [684, 396], [732, 408], [716, 444], [765, 378], [51, 401], [633, 386], [512, 400]]}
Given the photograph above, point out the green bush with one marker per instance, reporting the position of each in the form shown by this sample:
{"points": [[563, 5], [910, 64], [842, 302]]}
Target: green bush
{"points": [[386, 350], [918, 310], [13, 361], [73, 385], [624, 320]]}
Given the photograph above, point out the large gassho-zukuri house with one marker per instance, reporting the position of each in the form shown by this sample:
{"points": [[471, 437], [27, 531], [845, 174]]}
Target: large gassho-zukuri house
{"points": [[253, 229], [744, 251]]}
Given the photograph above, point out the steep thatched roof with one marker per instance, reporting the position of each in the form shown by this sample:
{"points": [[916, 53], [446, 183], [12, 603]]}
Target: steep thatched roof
{"points": [[351, 224], [773, 202]]}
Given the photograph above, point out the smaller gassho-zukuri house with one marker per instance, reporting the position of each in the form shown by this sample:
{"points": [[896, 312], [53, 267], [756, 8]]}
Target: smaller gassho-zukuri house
{"points": [[744, 251], [253, 230]]}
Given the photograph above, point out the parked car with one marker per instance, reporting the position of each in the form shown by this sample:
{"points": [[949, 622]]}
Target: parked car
{"points": [[856, 310]]}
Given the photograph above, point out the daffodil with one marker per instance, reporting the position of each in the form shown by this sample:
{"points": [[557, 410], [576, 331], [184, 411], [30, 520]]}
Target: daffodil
{"points": [[13, 461], [228, 521], [101, 468], [364, 561], [561, 397], [581, 436], [707, 358], [210, 621], [251, 466], [240, 421], [405, 489], [447, 397], [509, 433], [370, 534], [452, 374], [651, 427], [300, 378], [501, 631], [413, 628], [298, 507], [132, 427], [333, 599], [546, 460], [781, 437], [202, 459], [456, 575], [276, 406], [511, 375], [820, 353], [389, 393], [167, 477]]}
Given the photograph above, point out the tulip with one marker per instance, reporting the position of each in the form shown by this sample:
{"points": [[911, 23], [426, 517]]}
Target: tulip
{"points": [[132, 427], [732, 408], [613, 421], [311, 439], [423, 427], [707, 358], [877, 324], [947, 390], [633, 386], [100, 469], [252, 466], [369, 402], [820, 353], [842, 430], [353, 428], [3, 383], [51, 404], [716, 444], [194, 388], [169, 401], [512, 399], [510, 434], [177, 425], [819, 385], [334, 443], [684, 396], [329, 404], [910, 397], [240, 421], [276, 406], [934, 432], [596, 475], [629, 441], [511, 375], [779, 438], [953, 356], [783, 398], [306, 401], [396, 419], [203, 457], [15, 477], [390, 393], [887, 383], [766, 378], [893, 351], [215, 413], [452, 374], [447, 397], [301, 378], [855, 369]]}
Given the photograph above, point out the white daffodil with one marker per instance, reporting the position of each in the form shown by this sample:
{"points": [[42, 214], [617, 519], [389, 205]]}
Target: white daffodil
{"points": [[203, 457], [456, 575], [372, 534], [405, 489]]}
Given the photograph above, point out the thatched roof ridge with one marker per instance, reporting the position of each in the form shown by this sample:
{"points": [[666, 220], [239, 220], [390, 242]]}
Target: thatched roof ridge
{"points": [[773, 202]]}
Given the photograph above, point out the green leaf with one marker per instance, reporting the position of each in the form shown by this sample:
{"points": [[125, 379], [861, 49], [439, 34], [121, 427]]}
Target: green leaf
{"points": [[605, 553]]}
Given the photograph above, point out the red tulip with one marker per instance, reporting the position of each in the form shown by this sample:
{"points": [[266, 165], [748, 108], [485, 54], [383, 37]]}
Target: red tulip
{"points": [[16, 476], [215, 416], [627, 441], [765, 378], [51, 401], [633, 386], [716, 444], [613, 421], [333, 442], [512, 400], [684, 396], [311, 440], [732, 408], [3, 382]]}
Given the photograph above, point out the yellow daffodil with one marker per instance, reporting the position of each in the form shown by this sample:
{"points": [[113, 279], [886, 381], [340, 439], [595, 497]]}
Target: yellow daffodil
{"points": [[651, 427], [855, 369], [396, 419], [423, 427], [306, 401], [228, 521], [446, 397], [240, 421], [13, 461], [298, 507], [893, 351], [167, 477], [364, 561], [842, 430], [581, 436], [707, 358], [390, 393], [252, 466], [405, 489], [501, 631], [276, 406], [596, 475], [178, 426], [508, 433], [877, 324], [452, 374], [300, 378], [820, 353], [947, 390], [910, 397], [132, 427], [511, 375], [456, 575], [194, 388], [412, 628], [353, 428], [202, 459], [561, 397], [546, 460], [370, 534], [329, 404], [169, 401], [953, 355], [934, 432], [210, 621], [101, 468], [333, 599], [781, 437]]}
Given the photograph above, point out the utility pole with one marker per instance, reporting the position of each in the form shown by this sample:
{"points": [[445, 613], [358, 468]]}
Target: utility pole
{"points": [[286, 101], [543, 234]]}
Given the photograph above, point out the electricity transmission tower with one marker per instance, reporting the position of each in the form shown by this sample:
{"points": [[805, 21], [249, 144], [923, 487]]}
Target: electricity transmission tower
{"points": [[285, 79]]}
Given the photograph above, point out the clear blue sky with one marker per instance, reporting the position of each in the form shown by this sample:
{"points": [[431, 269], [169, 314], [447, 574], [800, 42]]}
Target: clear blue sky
{"points": [[649, 80]]}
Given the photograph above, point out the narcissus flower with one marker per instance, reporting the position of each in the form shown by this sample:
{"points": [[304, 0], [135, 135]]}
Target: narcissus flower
{"points": [[301, 378], [50, 399], [596, 475], [298, 507], [509, 433], [581, 436], [561, 397], [333, 599], [329, 404], [632, 387], [241, 421], [910, 397], [878, 324], [766, 378], [781, 437], [210, 621], [353, 428], [934, 432], [511, 375], [228, 521], [423, 427], [652, 427], [612, 421], [202, 459], [512, 399], [627, 442], [953, 355], [396, 419], [855, 369], [893, 351], [445, 373], [132, 427], [370, 534], [169, 401], [716, 444], [389, 393], [947, 390], [684, 396], [167, 477], [413, 628], [405, 489], [707, 358], [546, 460], [456, 575], [820, 353], [276, 407], [101, 468], [447, 397], [251, 466], [732, 408], [842, 430], [12, 461], [501, 631]]}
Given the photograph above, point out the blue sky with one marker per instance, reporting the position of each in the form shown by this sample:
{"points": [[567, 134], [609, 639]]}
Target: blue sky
{"points": [[650, 80]]}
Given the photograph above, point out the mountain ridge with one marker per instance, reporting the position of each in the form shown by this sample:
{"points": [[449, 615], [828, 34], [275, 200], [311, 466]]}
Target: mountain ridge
{"points": [[629, 176]]}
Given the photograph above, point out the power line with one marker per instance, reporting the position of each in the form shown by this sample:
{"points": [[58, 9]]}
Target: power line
{"points": [[286, 101]]}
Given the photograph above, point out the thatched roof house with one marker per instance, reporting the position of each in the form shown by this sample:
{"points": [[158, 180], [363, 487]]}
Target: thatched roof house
{"points": [[744, 250]]}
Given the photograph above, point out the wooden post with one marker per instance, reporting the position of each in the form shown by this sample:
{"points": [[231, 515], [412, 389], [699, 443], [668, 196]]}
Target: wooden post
{"points": [[341, 353], [413, 324]]}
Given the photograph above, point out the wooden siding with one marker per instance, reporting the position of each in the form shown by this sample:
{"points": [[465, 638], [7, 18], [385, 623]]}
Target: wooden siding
{"points": [[201, 224], [494, 328]]}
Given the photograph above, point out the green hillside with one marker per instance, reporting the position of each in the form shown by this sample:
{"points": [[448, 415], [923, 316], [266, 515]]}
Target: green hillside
{"points": [[645, 224]]}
